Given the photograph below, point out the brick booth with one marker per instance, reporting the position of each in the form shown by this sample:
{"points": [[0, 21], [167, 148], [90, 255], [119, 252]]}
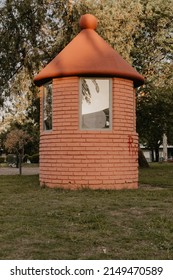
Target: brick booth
{"points": [[88, 116]]}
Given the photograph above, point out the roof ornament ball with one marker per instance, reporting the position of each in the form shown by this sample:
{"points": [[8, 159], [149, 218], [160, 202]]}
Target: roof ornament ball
{"points": [[88, 21]]}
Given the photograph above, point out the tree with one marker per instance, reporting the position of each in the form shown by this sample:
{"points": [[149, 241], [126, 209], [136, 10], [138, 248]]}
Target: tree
{"points": [[155, 118], [27, 33], [30, 127], [153, 56], [15, 142], [142, 160], [153, 49], [33, 32], [118, 21], [20, 25]]}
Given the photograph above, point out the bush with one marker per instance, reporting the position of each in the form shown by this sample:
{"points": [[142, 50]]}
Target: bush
{"points": [[34, 158], [25, 158], [11, 158], [2, 159]]}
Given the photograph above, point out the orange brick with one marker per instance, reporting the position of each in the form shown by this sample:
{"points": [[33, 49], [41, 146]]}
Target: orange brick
{"points": [[71, 158]]}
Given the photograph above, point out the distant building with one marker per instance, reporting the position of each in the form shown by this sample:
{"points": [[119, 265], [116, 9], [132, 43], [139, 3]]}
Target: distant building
{"points": [[148, 154]]}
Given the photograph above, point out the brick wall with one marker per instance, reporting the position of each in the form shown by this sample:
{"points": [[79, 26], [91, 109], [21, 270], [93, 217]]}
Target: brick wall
{"points": [[72, 158]]}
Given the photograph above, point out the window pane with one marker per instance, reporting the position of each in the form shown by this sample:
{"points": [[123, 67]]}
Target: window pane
{"points": [[95, 107], [47, 107]]}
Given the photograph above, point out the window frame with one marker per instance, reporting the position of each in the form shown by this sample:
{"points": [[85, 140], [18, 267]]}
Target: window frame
{"points": [[43, 105], [110, 104]]}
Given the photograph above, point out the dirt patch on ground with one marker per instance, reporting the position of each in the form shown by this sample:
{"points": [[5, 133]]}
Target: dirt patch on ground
{"points": [[151, 187]]}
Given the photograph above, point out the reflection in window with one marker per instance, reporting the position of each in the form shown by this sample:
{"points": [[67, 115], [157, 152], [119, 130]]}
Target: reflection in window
{"points": [[47, 107], [95, 103]]}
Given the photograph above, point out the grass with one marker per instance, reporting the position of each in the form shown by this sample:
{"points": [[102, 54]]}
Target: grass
{"points": [[159, 174], [42, 223]]}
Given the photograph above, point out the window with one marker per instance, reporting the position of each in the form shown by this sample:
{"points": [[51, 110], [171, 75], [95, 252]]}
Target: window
{"points": [[47, 106], [95, 103]]}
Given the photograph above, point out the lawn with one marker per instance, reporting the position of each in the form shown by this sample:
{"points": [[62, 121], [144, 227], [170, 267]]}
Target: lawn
{"points": [[159, 174], [42, 223]]}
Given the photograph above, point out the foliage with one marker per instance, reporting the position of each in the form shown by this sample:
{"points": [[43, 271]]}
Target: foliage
{"points": [[118, 21], [153, 56], [34, 158], [30, 128], [33, 111], [155, 117], [11, 158], [16, 140], [2, 159], [21, 22], [153, 51], [24, 26], [33, 32]]}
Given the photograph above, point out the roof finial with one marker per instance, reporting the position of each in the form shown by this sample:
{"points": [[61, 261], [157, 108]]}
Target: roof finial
{"points": [[88, 21]]}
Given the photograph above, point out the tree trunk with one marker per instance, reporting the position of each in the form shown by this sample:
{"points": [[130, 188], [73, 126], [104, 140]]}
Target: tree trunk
{"points": [[157, 153], [152, 155], [20, 164], [142, 160], [21, 153]]}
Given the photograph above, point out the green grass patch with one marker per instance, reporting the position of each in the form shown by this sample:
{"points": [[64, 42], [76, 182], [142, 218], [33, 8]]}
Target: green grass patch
{"points": [[159, 174], [42, 223]]}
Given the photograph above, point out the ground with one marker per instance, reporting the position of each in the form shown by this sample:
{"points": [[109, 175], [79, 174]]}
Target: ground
{"points": [[43, 223], [15, 171]]}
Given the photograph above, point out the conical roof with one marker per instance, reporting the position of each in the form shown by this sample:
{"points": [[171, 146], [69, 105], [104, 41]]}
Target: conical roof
{"points": [[88, 55]]}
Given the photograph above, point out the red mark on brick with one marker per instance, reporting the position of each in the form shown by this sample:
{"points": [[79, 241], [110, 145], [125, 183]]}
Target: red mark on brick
{"points": [[133, 148]]}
